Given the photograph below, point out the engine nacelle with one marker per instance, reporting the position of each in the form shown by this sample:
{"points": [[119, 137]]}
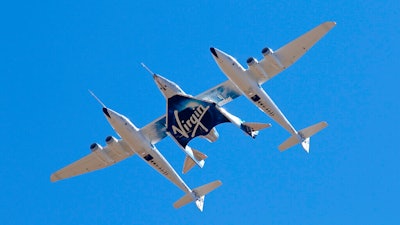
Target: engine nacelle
{"points": [[101, 153], [110, 140], [256, 68], [251, 61], [266, 51], [95, 147], [118, 147], [271, 58]]}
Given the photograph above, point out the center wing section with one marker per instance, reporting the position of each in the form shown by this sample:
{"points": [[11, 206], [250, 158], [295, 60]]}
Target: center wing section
{"points": [[221, 94], [101, 157], [188, 117]]}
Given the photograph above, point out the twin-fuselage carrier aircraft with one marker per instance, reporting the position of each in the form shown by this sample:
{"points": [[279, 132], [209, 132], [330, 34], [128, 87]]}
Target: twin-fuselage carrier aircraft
{"points": [[189, 116]]}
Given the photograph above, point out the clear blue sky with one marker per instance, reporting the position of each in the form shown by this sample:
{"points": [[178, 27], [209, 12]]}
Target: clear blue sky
{"points": [[52, 52]]}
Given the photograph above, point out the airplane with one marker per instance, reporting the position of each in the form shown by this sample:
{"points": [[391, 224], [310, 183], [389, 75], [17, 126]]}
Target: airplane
{"points": [[142, 141], [248, 81], [133, 141], [188, 117]]}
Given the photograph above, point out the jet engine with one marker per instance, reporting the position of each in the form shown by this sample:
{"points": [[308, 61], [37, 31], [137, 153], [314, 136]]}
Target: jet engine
{"points": [[266, 51], [256, 68], [110, 140], [101, 153], [251, 61], [271, 58], [95, 147], [116, 146]]}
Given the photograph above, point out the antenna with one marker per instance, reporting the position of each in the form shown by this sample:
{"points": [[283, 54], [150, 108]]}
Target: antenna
{"points": [[148, 70], [97, 99]]}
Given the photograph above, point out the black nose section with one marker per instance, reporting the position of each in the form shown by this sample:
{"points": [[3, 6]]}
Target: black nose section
{"points": [[105, 111], [213, 52]]}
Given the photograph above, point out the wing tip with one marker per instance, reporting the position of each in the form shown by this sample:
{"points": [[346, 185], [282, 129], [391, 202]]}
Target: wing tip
{"points": [[54, 177], [330, 24]]}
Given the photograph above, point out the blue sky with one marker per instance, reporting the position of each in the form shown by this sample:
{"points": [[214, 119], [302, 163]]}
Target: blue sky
{"points": [[52, 52]]}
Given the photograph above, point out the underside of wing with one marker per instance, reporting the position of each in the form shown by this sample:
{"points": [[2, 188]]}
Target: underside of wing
{"points": [[221, 94], [156, 130], [275, 62], [98, 159]]}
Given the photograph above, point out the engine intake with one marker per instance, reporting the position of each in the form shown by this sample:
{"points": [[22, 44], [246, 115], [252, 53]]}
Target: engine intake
{"points": [[251, 61], [266, 51], [94, 147], [110, 140]]}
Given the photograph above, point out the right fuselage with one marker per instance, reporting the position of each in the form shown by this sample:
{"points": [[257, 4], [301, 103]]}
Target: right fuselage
{"points": [[250, 88]]}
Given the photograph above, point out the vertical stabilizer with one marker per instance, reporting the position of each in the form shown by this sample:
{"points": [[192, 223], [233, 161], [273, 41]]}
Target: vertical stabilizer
{"points": [[189, 162]]}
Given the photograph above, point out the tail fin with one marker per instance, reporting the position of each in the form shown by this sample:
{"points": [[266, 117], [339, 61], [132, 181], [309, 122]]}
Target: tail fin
{"points": [[197, 195], [189, 162], [248, 127], [190, 153], [253, 128], [303, 136]]}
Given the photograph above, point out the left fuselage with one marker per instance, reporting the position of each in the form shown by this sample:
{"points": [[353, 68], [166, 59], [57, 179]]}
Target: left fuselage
{"points": [[145, 150], [250, 88]]}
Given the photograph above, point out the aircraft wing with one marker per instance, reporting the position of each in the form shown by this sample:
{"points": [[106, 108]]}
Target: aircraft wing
{"points": [[291, 52], [221, 94], [98, 159], [155, 131]]}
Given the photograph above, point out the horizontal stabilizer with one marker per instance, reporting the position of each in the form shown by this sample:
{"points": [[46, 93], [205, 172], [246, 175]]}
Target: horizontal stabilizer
{"points": [[311, 130], [197, 195], [186, 199], [303, 137], [207, 188], [290, 142], [189, 162], [252, 128]]}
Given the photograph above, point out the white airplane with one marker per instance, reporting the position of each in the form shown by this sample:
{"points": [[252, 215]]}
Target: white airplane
{"points": [[241, 82], [248, 81], [133, 141], [188, 117]]}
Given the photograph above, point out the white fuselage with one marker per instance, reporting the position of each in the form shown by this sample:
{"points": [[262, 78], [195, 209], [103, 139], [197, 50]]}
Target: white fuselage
{"points": [[145, 150], [250, 88]]}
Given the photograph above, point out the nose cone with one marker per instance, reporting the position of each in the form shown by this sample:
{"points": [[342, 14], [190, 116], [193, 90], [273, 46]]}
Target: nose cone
{"points": [[105, 111], [214, 52], [160, 81], [167, 87], [220, 56], [112, 115]]}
